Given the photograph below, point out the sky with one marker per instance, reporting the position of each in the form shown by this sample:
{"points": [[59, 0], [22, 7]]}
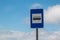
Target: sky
{"points": [[15, 19]]}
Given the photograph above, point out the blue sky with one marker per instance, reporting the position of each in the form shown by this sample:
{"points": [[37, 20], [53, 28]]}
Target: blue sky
{"points": [[13, 13]]}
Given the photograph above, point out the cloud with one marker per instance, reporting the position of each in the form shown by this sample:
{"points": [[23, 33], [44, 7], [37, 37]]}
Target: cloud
{"points": [[52, 14], [36, 6], [16, 35], [11, 35], [55, 36]]}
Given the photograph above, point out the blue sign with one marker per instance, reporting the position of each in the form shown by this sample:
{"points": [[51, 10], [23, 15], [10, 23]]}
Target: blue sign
{"points": [[36, 18]]}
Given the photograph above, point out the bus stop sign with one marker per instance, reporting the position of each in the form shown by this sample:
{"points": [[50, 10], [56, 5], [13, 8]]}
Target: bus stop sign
{"points": [[36, 18]]}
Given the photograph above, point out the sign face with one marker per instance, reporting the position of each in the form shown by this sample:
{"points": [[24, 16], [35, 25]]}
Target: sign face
{"points": [[36, 18]]}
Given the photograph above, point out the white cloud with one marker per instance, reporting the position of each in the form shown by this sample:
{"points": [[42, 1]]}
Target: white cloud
{"points": [[16, 35], [55, 36], [36, 6], [52, 14]]}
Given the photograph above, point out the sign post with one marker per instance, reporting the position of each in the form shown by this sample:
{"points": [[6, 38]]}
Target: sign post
{"points": [[36, 33], [36, 19]]}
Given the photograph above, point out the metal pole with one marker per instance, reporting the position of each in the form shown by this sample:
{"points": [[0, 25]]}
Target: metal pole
{"points": [[36, 33]]}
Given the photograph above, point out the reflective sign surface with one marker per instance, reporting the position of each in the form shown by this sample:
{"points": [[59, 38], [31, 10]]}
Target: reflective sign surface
{"points": [[36, 18]]}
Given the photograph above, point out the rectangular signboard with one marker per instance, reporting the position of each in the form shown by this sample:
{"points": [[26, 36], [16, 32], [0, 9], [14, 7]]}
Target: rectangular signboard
{"points": [[36, 18]]}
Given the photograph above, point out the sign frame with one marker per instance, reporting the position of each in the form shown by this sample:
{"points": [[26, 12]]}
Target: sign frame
{"points": [[36, 25]]}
